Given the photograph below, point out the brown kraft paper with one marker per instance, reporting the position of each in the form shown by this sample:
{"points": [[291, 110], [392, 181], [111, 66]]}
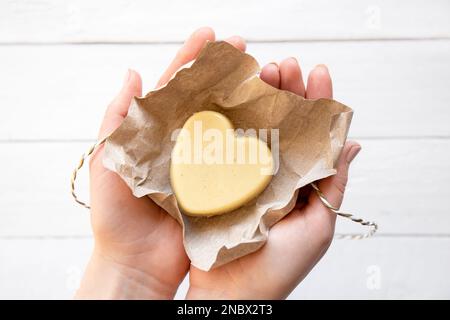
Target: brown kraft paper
{"points": [[311, 136]]}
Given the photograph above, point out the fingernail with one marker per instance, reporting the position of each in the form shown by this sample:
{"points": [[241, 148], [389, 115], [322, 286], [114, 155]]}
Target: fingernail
{"points": [[273, 67], [274, 63], [238, 38], [127, 77], [353, 153], [294, 59], [321, 68]]}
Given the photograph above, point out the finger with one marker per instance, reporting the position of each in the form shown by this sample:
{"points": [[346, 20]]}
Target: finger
{"points": [[320, 219], [291, 77], [237, 42], [118, 108], [319, 83], [320, 86], [187, 52], [334, 187], [271, 75]]}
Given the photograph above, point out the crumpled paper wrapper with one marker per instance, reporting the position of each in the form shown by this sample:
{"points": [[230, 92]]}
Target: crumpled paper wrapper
{"points": [[223, 79]]}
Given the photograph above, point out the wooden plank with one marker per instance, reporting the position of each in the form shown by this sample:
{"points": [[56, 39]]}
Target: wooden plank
{"points": [[387, 268], [42, 269], [35, 190], [60, 92], [384, 268], [401, 184], [52, 21]]}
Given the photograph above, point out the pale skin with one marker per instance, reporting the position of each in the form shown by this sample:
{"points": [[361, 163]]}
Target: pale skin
{"points": [[138, 252]]}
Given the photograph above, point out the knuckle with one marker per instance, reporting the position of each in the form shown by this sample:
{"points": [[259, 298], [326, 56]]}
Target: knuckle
{"points": [[340, 183]]}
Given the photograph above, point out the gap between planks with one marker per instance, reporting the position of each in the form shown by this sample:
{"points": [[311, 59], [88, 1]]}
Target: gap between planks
{"points": [[81, 236], [56, 140], [247, 40]]}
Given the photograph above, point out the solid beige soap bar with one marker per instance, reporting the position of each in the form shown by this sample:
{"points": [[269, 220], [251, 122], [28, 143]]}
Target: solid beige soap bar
{"points": [[212, 170]]}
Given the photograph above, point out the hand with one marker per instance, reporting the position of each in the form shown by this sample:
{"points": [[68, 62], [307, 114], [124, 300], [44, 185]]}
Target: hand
{"points": [[138, 249], [298, 241]]}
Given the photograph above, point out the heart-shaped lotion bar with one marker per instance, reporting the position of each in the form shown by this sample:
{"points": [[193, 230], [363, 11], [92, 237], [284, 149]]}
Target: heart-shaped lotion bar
{"points": [[212, 170]]}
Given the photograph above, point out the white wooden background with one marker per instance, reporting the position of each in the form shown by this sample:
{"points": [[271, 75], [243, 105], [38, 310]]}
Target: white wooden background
{"points": [[62, 61]]}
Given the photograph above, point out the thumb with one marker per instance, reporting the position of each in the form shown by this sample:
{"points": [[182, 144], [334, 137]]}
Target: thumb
{"points": [[334, 187], [118, 108], [115, 113]]}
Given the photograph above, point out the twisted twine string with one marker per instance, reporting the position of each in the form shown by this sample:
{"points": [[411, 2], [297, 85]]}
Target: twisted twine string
{"points": [[83, 158], [372, 225]]}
